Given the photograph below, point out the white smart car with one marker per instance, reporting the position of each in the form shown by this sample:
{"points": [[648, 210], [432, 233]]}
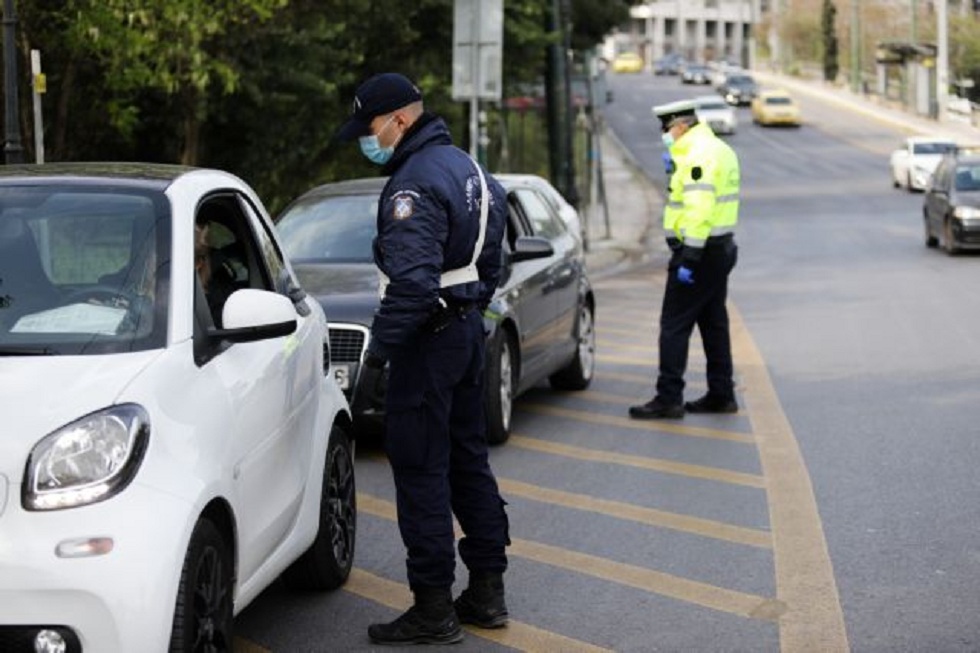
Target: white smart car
{"points": [[157, 471]]}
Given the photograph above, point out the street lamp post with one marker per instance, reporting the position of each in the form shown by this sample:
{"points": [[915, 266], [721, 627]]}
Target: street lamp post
{"points": [[13, 151]]}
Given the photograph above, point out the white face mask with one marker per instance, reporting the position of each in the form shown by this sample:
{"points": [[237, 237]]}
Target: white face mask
{"points": [[668, 139]]}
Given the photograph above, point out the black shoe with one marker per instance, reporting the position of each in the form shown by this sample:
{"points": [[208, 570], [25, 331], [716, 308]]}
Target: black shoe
{"points": [[709, 404], [432, 620], [482, 603], [656, 410]]}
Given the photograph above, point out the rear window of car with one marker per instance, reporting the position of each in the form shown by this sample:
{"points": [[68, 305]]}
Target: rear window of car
{"points": [[968, 177], [777, 101], [932, 148], [712, 105]]}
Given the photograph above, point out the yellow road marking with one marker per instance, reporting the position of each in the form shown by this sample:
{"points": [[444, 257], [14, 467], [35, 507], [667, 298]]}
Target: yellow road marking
{"points": [[517, 635], [640, 462], [625, 376], [638, 361], [623, 347], [650, 516], [652, 426], [814, 620], [632, 333], [682, 589], [241, 645], [656, 582]]}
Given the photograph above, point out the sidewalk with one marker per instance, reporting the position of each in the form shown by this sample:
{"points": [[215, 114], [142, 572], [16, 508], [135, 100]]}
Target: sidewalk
{"points": [[635, 204], [633, 234]]}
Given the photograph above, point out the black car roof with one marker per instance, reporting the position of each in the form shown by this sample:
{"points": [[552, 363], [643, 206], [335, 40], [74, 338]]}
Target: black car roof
{"points": [[157, 175]]}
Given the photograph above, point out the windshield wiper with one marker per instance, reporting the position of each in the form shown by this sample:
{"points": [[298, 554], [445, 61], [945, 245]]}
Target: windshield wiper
{"points": [[27, 351]]}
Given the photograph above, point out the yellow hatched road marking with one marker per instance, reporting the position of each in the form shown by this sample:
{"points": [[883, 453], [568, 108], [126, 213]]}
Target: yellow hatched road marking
{"points": [[653, 426], [650, 516], [656, 582], [646, 379], [632, 333], [621, 347], [641, 462], [638, 361], [520, 636]]}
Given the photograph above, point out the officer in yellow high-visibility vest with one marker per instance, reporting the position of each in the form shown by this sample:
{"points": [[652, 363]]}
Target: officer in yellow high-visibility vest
{"points": [[699, 221]]}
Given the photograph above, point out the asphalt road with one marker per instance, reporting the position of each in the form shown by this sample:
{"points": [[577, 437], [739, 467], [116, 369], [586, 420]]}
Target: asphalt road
{"points": [[837, 511]]}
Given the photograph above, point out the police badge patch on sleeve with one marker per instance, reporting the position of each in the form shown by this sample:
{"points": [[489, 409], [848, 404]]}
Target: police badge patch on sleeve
{"points": [[404, 207]]}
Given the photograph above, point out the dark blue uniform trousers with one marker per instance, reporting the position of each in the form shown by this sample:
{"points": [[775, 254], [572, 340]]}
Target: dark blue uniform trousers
{"points": [[701, 304], [435, 439]]}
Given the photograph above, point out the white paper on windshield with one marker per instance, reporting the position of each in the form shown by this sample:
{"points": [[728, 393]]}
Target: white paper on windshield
{"points": [[76, 318]]}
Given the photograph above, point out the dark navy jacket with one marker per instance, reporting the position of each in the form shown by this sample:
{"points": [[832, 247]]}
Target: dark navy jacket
{"points": [[428, 223]]}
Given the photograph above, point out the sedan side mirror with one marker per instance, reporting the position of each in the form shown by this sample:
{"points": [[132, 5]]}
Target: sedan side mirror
{"points": [[528, 248]]}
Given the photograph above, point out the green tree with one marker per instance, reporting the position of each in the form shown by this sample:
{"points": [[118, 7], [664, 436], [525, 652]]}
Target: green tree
{"points": [[176, 48], [831, 65]]}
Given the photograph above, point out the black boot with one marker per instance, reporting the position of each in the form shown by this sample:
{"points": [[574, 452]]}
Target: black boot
{"points": [[482, 603], [431, 620]]}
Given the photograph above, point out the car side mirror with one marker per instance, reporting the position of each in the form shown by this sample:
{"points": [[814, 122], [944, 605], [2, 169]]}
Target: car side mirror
{"points": [[528, 248], [250, 315]]}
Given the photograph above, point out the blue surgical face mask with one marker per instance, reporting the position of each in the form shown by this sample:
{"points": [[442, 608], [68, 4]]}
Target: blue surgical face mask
{"points": [[668, 139], [371, 146]]}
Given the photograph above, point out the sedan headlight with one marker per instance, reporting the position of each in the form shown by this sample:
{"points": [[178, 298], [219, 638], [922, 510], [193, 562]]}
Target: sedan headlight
{"points": [[89, 460], [966, 212]]}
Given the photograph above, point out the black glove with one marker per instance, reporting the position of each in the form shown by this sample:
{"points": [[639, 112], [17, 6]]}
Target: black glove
{"points": [[374, 360]]}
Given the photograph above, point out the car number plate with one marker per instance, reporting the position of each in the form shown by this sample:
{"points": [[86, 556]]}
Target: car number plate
{"points": [[341, 373]]}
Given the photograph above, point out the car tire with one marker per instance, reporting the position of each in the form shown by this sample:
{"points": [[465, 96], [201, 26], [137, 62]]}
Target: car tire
{"points": [[327, 563], [498, 392], [203, 611], [577, 375], [949, 243], [931, 241]]}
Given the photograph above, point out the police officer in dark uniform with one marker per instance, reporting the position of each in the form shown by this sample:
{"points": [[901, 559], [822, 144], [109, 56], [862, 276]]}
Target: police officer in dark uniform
{"points": [[441, 221]]}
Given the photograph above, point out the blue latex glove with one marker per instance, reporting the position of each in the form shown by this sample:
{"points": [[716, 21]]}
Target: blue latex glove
{"points": [[668, 163], [685, 275]]}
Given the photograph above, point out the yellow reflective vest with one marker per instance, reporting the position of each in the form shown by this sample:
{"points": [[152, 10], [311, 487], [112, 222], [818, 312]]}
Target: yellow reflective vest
{"points": [[704, 189]]}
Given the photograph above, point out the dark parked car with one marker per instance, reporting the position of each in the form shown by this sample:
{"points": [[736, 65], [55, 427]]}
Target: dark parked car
{"points": [[696, 73], [669, 64], [540, 324], [738, 89], [951, 207]]}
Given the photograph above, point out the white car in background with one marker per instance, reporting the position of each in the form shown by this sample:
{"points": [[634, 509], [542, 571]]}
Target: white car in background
{"points": [[158, 472], [718, 114], [913, 163], [568, 213]]}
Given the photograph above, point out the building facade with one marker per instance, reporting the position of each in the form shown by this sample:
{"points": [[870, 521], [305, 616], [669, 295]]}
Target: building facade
{"points": [[699, 30]]}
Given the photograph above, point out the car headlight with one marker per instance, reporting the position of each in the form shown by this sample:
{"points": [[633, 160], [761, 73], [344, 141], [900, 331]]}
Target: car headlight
{"points": [[966, 212], [87, 461]]}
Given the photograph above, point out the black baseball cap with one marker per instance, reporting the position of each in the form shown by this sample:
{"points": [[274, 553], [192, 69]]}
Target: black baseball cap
{"points": [[377, 96]]}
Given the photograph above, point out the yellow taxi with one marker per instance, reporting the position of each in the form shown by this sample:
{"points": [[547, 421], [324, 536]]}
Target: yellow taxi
{"points": [[627, 62], [776, 107]]}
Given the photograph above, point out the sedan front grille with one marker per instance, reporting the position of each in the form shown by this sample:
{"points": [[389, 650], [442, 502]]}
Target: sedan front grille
{"points": [[347, 343]]}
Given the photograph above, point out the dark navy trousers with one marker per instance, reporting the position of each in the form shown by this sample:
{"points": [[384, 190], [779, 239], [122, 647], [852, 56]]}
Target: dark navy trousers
{"points": [[435, 439], [701, 304]]}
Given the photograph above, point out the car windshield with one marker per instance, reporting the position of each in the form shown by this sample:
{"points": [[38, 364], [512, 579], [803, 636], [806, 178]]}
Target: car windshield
{"points": [[712, 105], [779, 101], [968, 177], [83, 269], [741, 80], [337, 228], [932, 148]]}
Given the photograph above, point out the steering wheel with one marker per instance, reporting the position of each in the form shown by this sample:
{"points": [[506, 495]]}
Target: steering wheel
{"points": [[99, 292]]}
